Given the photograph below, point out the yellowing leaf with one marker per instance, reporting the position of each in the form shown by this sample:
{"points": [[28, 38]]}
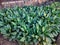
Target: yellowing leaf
{"points": [[44, 14]]}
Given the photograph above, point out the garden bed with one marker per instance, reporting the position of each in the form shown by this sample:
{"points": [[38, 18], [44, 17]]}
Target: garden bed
{"points": [[4, 41]]}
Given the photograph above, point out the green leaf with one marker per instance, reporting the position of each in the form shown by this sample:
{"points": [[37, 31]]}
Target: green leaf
{"points": [[3, 31], [14, 33], [43, 29], [1, 23], [37, 26], [22, 39]]}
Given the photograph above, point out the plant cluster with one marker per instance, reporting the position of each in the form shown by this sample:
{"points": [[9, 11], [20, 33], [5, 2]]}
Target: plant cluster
{"points": [[30, 24]]}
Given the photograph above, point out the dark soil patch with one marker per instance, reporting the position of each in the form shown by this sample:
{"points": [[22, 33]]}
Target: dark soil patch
{"points": [[58, 40], [6, 42]]}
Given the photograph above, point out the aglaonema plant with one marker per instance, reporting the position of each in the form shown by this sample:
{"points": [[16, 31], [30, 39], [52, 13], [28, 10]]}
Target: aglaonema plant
{"points": [[30, 24]]}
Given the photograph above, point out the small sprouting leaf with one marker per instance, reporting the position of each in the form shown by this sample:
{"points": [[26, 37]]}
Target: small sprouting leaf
{"points": [[22, 39], [33, 35], [2, 31], [38, 28], [44, 14], [14, 33], [40, 22], [43, 29], [13, 23], [1, 23]]}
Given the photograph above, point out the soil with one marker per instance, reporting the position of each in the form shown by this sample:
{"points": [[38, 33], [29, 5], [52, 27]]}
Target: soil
{"points": [[6, 42], [58, 40]]}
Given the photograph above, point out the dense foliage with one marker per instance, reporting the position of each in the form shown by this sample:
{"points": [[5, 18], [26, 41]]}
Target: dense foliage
{"points": [[30, 24]]}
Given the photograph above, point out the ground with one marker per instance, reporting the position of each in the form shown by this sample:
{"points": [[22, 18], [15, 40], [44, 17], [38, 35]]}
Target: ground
{"points": [[6, 42], [58, 40]]}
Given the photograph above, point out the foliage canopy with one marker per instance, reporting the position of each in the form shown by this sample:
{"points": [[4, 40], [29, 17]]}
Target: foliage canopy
{"points": [[30, 23]]}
